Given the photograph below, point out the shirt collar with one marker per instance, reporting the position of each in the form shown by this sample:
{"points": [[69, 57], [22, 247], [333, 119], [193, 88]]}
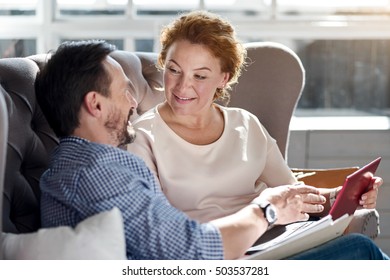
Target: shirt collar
{"points": [[73, 139]]}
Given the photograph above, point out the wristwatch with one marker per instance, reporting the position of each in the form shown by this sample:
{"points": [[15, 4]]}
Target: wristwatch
{"points": [[269, 211]]}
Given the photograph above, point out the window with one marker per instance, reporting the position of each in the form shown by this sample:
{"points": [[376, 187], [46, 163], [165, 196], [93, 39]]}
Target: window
{"points": [[91, 7], [232, 8], [344, 45], [18, 7], [331, 9], [144, 45], [342, 74], [17, 47], [162, 8]]}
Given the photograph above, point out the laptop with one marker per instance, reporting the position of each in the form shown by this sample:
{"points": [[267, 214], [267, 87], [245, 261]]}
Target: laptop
{"points": [[283, 241]]}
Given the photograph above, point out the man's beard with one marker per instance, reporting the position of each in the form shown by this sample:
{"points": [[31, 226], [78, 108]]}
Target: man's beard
{"points": [[123, 134], [130, 134]]}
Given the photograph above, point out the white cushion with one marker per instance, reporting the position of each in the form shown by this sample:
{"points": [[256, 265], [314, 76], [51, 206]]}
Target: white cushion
{"points": [[98, 237]]}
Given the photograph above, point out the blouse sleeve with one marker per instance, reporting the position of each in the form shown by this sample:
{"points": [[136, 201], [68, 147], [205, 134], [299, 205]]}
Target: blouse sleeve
{"points": [[276, 171], [142, 147]]}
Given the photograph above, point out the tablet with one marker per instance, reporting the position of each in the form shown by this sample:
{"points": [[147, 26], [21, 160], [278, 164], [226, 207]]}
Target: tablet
{"points": [[354, 186]]}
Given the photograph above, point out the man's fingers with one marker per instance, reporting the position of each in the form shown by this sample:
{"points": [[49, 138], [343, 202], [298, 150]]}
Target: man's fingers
{"points": [[313, 198], [312, 208], [304, 189], [304, 217]]}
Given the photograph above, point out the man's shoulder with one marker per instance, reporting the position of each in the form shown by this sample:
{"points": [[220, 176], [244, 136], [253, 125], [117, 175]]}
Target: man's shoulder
{"points": [[90, 153], [109, 154]]}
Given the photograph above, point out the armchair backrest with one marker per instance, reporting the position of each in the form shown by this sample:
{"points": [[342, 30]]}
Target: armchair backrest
{"points": [[3, 151], [140, 67], [269, 88], [30, 141]]}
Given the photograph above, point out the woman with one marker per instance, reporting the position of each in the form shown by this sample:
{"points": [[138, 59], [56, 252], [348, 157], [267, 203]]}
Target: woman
{"points": [[211, 160]]}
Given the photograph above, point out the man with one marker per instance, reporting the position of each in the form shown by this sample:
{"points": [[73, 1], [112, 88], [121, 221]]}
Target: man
{"points": [[87, 99]]}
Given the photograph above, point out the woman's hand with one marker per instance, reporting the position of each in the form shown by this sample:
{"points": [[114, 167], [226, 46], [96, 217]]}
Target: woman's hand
{"points": [[368, 199]]}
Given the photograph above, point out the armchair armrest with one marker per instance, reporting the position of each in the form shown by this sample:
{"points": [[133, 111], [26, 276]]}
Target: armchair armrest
{"points": [[365, 221], [323, 178]]}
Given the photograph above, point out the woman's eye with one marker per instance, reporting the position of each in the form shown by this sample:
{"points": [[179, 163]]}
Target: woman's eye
{"points": [[200, 77], [173, 70]]}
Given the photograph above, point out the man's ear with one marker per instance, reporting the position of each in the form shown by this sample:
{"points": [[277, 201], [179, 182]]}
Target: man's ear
{"points": [[92, 103]]}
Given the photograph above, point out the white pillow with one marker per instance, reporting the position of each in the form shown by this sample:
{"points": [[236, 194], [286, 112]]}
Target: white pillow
{"points": [[98, 237]]}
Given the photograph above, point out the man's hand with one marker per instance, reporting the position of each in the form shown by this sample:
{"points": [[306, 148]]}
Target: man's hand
{"points": [[294, 202]]}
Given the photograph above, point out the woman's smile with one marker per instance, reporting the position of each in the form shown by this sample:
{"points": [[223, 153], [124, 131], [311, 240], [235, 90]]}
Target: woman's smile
{"points": [[183, 100]]}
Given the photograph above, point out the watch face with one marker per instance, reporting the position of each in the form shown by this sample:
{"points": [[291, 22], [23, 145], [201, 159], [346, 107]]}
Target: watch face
{"points": [[270, 214], [268, 210]]}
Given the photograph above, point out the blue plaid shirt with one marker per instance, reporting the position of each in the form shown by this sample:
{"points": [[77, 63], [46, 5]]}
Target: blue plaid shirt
{"points": [[85, 178]]}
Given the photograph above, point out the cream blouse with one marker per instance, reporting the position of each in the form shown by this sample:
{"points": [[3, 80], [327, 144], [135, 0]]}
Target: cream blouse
{"points": [[215, 180]]}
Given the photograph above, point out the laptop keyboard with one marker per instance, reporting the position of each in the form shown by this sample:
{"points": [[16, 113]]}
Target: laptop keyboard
{"points": [[293, 228], [288, 230]]}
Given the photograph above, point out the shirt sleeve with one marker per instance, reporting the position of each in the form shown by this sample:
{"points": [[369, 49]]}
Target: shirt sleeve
{"points": [[153, 228]]}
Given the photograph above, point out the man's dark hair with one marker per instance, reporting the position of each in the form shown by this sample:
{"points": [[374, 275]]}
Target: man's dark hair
{"points": [[72, 71]]}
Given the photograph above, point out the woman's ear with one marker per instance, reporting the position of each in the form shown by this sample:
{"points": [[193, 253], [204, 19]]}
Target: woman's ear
{"points": [[93, 103], [225, 79]]}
